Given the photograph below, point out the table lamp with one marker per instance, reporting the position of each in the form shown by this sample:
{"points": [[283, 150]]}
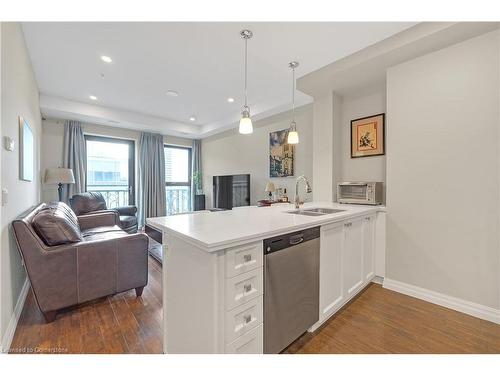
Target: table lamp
{"points": [[271, 189], [59, 176]]}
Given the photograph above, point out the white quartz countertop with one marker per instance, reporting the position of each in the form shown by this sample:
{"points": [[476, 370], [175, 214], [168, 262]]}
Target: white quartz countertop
{"points": [[213, 231]]}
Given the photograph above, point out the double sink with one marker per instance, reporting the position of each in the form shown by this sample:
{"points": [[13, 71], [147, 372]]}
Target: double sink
{"points": [[315, 211]]}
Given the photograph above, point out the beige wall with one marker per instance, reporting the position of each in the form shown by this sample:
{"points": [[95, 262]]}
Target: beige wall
{"points": [[233, 153], [52, 146], [443, 171], [359, 169], [323, 146], [19, 98], [331, 154]]}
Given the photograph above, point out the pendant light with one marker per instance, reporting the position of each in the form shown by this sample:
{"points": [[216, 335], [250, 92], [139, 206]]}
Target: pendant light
{"points": [[246, 126], [293, 135]]}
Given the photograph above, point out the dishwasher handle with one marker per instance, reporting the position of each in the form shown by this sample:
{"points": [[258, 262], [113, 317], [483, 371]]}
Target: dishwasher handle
{"points": [[296, 239]]}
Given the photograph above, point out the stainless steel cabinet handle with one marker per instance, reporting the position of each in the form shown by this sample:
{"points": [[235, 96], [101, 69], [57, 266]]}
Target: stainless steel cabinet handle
{"points": [[247, 257], [247, 288], [247, 318]]}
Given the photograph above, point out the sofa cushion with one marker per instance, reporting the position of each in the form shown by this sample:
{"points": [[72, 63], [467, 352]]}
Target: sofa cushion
{"points": [[87, 202], [103, 233], [56, 225]]}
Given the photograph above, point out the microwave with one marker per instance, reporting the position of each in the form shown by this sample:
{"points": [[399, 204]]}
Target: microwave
{"points": [[360, 192]]}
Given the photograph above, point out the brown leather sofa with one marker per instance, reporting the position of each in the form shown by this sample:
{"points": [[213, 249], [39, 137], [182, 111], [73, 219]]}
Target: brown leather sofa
{"points": [[71, 260], [93, 201]]}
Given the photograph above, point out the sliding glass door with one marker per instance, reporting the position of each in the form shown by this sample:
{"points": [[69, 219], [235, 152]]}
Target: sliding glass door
{"points": [[110, 169], [178, 179]]}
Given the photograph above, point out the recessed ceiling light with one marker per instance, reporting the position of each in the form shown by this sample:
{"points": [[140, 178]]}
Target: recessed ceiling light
{"points": [[172, 93], [230, 100], [192, 118], [92, 97], [106, 59]]}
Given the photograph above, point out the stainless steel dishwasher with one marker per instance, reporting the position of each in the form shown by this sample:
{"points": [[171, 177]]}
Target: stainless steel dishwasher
{"points": [[291, 287]]}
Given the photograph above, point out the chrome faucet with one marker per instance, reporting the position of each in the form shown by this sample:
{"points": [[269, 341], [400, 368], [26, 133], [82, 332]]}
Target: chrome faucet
{"points": [[296, 198]]}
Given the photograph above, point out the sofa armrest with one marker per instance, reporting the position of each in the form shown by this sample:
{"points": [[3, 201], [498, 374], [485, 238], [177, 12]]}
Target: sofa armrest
{"points": [[96, 219], [126, 210], [112, 265]]}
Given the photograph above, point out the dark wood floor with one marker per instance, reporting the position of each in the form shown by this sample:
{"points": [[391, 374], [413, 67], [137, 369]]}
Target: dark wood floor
{"points": [[383, 321], [378, 321], [121, 323]]}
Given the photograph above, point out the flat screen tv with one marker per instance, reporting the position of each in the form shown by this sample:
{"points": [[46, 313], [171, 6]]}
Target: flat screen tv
{"points": [[231, 191]]}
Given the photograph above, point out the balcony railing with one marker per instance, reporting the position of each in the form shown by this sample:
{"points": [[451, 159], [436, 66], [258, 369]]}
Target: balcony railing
{"points": [[178, 199], [115, 196]]}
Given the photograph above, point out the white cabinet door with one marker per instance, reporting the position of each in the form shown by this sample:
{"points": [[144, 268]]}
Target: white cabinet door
{"points": [[380, 244], [331, 293], [369, 247], [353, 256]]}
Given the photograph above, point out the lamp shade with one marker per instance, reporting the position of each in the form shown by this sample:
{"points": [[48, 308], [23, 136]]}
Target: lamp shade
{"points": [[59, 176], [270, 187]]}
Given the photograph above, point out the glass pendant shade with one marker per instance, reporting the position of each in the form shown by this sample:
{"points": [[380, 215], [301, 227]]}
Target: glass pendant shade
{"points": [[293, 135], [246, 126]]}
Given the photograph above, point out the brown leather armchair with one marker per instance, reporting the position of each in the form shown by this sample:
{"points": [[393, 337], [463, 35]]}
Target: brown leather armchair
{"points": [[91, 202], [72, 260]]}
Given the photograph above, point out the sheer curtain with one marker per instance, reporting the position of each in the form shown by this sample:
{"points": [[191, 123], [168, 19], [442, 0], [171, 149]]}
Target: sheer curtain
{"points": [[75, 152], [196, 168], [152, 201]]}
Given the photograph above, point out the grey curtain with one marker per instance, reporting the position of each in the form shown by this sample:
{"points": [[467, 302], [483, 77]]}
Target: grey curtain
{"points": [[74, 155], [152, 201], [196, 168]]}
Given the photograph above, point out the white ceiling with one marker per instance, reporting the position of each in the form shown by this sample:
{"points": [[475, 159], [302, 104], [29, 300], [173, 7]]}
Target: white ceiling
{"points": [[202, 61]]}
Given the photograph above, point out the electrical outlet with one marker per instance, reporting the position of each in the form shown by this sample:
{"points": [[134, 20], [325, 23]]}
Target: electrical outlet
{"points": [[9, 143], [5, 197]]}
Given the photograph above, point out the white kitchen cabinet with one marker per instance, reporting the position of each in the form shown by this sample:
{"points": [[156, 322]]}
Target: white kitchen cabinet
{"points": [[353, 257], [369, 222], [347, 261], [330, 269], [214, 286]]}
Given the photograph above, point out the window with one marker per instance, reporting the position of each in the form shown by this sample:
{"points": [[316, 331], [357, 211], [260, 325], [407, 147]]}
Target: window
{"points": [[178, 179], [110, 169]]}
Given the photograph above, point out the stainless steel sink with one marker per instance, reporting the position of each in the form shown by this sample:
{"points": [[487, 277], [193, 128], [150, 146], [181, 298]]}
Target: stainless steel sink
{"points": [[323, 211], [315, 211], [303, 212]]}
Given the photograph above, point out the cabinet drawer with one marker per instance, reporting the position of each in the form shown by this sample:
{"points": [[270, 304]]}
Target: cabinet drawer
{"points": [[251, 342], [243, 319], [242, 288], [242, 259]]}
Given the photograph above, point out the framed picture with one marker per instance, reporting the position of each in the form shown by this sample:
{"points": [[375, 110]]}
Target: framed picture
{"points": [[368, 136], [26, 151], [280, 154]]}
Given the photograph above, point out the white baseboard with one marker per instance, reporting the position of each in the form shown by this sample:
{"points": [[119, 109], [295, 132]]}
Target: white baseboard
{"points": [[378, 280], [466, 307], [16, 314]]}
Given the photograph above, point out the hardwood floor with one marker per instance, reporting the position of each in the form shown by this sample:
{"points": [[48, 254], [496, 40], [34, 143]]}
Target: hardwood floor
{"points": [[383, 321], [121, 323], [378, 321]]}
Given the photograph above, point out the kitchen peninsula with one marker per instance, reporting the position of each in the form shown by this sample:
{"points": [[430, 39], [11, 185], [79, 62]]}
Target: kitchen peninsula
{"points": [[213, 284]]}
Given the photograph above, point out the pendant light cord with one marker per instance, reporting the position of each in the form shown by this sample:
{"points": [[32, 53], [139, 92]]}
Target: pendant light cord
{"points": [[246, 53], [293, 94]]}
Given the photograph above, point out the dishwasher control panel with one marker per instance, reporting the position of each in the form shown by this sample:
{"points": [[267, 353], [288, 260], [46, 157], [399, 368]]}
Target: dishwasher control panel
{"points": [[290, 239]]}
